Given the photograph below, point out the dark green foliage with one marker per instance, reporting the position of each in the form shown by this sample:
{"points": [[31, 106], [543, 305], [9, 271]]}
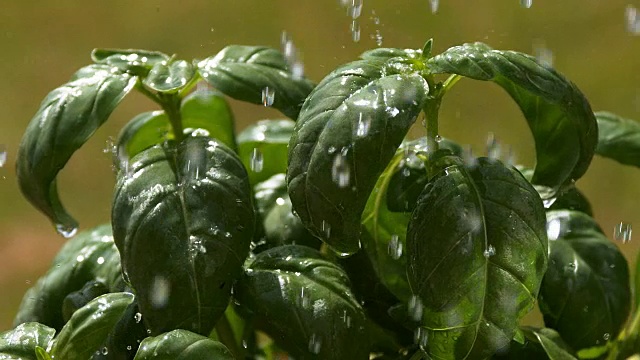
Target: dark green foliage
{"points": [[255, 240]]}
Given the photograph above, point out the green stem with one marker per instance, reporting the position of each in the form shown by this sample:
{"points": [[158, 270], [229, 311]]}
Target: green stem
{"points": [[227, 337], [171, 106], [627, 339], [431, 109]]}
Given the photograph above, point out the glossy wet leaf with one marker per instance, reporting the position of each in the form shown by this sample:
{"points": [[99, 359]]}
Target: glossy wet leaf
{"points": [[169, 77], [183, 219], [90, 255], [208, 110], [244, 72], [384, 227], [182, 345], [281, 226], [477, 253], [618, 138], [585, 293], [542, 343], [89, 327], [77, 299], [390, 53], [142, 132], [67, 118], [42, 354], [133, 61], [20, 343], [568, 198], [348, 130], [125, 336], [263, 148], [304, 303], [561, 120]]}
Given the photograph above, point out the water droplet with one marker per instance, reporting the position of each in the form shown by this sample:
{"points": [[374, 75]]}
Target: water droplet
{"points": [[355, 10], [467, 156], [585, 308], [297, 70], [129, 347], [100, 260], [137, 317], [395, 247], [606, 336], [415, 308], [105, 351], [526, 3], [305, 299], [28, 282], [160, 289], [256, 163], [434, 5], [632, 20], [489, 252], [66, 230], [420, 337], [315, 343], [622, 232], [438, 138], [268, 96], [340, 171]]}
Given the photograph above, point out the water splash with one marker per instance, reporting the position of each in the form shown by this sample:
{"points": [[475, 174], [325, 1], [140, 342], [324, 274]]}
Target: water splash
{"points": [[256, 162], [493, 147], [415, 308], [489, 251], [268, 96], [543, 54], [622, 232]]}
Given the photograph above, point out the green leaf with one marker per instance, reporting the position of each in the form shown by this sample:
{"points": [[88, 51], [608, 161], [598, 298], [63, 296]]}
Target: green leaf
{"points": [[142, 132], [567, 198], [263, 148], [67, 118], [618, 138], [559, 116], [89, 327], [77, 299], [348, 130], [246, 72], [585, 293], [169, 77], [281, 225], [476, 238], [390, 53], [182, 345], [207, 109], [42, 354], [20, 343], [304, 303], [133, 61], [539, 344], [386, 235], [183, 219], [90, 255], [125, 336]]}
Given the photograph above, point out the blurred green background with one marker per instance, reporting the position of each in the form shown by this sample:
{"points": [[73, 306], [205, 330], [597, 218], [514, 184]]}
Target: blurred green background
{"points": [[43, 43]]}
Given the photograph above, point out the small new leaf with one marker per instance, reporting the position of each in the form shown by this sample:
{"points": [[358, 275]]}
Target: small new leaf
{"points": [[169, 77], [182, 345]]}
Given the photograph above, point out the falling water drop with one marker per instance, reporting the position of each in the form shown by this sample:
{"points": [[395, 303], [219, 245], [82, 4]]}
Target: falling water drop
{"points": [[543, 54], [493, 147], [526, 3], [340, 171], [415, 308], [256, 163], [3, 155], [395, 247], [632, 20], [137, 317], [434, 5], [268, 96], [355, 31], [420, 337], [160, 289], [66, 230], [315, 343], [606, 336], [467, 156], [326, 229], [363, 126], [622, 232], [105, 351]]}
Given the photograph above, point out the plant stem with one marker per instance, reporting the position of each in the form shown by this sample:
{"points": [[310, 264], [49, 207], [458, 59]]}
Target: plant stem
{"points": [[171, 105], [431, 109], [627, 339], [227, 337]]}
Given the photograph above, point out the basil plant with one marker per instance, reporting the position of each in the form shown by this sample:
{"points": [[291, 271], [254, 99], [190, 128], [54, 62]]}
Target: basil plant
{"points": [[327, 233]]}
